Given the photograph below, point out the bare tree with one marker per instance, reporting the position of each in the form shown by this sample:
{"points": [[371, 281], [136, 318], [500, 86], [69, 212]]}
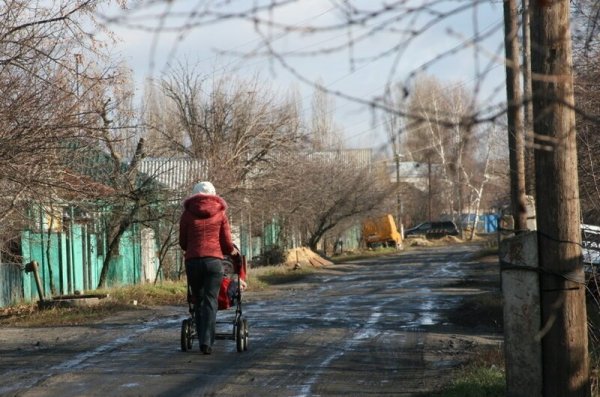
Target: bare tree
{"points": [[586, 48], [234, 126], [477, 180], [442, 136], [48, 59], [316, 191], [323, 131]]}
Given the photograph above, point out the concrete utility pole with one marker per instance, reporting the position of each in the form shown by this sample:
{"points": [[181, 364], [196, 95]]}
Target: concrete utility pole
{"points": [[564, 317], [516, 137]]}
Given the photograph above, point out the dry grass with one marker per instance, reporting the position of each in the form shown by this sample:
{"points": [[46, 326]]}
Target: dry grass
{"points": [[165, 293], [363, 254], [135, 297], [260, 278], [34, 317], [119, 299]]}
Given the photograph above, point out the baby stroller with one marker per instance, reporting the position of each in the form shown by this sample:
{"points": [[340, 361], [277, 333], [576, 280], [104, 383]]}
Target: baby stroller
{"points": [[230, 294]]}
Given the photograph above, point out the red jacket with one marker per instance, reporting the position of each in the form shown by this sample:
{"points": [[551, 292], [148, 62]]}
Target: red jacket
{"points": [[203, 227]]}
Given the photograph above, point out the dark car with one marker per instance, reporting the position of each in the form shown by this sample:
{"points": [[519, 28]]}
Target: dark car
{"points": [[433, 229]]}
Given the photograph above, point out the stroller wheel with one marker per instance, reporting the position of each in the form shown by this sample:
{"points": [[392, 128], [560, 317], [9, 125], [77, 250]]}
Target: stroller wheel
{"points": [[186, 335], [246, 333], [240, 331]]}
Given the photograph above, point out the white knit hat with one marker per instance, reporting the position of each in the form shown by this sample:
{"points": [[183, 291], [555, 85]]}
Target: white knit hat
{"points": [[204, 188]]}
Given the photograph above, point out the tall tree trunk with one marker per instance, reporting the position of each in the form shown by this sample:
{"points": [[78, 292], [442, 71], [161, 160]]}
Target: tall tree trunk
{"points": [[111, 252], [564, 318], [125, 216], [515, 117], [48, 251]]}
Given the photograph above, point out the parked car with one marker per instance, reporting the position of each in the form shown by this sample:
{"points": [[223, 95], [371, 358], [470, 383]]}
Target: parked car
{"points": [[433, 230], [590, 244]]}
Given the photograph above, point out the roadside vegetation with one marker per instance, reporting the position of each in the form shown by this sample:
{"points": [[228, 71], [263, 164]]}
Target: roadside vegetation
{"points": [[482, 377], [136, 297], [362, 254], [593, 314], [261, 278]]}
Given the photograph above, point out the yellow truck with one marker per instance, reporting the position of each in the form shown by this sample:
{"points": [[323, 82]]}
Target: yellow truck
{"points": [[381, 231]]}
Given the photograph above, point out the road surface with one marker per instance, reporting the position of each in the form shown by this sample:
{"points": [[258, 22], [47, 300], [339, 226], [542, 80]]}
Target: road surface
{"points": [[375, 327]]}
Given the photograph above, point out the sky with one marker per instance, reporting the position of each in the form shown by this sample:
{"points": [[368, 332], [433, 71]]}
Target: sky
{"points": [[445, 51]]}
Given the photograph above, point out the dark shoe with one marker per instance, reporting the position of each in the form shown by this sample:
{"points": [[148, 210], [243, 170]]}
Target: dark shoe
{"points": [[206, 349]]}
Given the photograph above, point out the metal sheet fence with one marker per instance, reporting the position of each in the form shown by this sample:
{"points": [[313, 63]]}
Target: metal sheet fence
{"points": [[11, 284]]}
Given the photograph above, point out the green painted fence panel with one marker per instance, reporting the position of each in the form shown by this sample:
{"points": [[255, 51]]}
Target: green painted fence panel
{"points": [[52, 263], [63, 254], [271, 234], [31, 248], [11, 284], [74, 260], [126, 268], [351, 238], [47, 251], [95, 261], [77, 258]]}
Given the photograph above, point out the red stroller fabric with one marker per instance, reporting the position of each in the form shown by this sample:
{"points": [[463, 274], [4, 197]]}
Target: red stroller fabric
{"points": [[227, 292]]}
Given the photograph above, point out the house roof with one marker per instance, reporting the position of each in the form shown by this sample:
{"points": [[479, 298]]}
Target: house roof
{"points": [[177, 174]]}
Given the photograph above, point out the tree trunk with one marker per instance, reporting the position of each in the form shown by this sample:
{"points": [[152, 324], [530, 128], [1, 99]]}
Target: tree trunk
{"points": [[111, 252], [515, 117], [564, 318], [48, 253]]}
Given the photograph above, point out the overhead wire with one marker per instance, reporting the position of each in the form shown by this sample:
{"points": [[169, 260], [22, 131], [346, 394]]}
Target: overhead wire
{"points": [[326, 86]]}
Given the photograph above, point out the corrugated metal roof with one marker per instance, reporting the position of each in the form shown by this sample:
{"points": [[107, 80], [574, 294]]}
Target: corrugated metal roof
{"points": [[359, 157], [175, 173]]}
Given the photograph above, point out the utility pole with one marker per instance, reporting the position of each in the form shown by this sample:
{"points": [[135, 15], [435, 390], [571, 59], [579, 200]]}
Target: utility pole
{"points": [[397, 156], [516, 136], [398, 200], [527, 103], [429, 188], [564, 318]]}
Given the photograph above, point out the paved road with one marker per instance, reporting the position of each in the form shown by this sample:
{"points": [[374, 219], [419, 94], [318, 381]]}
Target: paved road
{"points": [[364, 328]]}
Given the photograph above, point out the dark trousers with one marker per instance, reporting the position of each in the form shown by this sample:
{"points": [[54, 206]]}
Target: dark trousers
{"points": [[204, 277]]}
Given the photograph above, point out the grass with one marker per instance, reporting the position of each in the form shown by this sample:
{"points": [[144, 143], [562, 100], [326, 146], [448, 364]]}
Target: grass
{"points": [[477, 381], [165, 293], [481, 377], [31, 316], [363, 254], [261, 278], [120, 299]]}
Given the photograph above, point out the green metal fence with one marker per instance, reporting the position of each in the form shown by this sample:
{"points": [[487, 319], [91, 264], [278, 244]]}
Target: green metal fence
{"points": [[70, 261], [11, 284]]}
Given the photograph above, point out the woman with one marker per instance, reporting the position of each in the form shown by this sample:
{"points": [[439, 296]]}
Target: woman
{"points": [[205, 236]]}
